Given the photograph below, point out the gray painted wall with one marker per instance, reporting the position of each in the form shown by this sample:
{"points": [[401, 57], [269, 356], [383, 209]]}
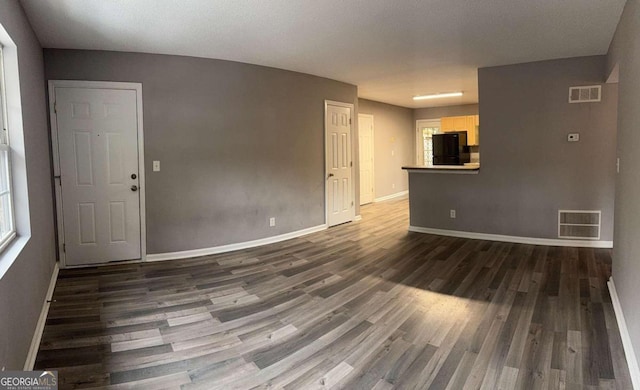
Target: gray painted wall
{"points": [[237, 143], [24, 286], [439, 112], [393, 132], [528, 169], [626, 267]]}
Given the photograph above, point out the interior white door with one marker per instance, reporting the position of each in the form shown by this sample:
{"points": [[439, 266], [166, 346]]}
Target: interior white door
{"points": [[338, 157], [365, 137], [98, 154]]}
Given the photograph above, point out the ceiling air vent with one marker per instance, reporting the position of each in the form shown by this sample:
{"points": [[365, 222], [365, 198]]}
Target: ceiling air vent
{"points": [[579, 224], [591, 93]]}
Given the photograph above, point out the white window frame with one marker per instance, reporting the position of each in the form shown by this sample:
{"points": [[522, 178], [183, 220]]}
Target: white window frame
{"points": [[4, 146], [18, 170]]}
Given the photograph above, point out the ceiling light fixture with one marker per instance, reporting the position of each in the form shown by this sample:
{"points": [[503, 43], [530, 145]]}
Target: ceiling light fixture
{"points": [[437, 96]]}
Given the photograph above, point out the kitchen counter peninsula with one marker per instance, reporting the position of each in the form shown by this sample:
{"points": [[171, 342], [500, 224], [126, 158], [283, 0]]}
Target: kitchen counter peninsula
{"points": [[471, 169]]}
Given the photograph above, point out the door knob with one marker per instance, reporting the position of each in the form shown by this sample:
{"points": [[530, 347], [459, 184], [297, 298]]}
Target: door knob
{"points": [[330, 175], [134, 188]]}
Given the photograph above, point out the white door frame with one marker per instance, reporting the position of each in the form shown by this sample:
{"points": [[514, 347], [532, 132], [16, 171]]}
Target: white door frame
{"points": [[351, 108], [373, 162], [53, 84], [419, 149]]}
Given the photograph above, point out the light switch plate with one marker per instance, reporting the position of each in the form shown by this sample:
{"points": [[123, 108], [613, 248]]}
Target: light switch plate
{"points": [[573, 137], [156, 166]]}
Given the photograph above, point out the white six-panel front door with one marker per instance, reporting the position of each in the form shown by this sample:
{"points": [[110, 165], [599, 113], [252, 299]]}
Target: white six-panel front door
{"points": [[98, 154], [339, 181]]}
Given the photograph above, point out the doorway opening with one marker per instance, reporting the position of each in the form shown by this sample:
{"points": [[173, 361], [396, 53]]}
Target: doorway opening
{"points": [[366, 157]]}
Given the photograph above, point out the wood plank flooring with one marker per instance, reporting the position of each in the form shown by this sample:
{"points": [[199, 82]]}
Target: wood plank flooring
{"points": [[365, 305]]}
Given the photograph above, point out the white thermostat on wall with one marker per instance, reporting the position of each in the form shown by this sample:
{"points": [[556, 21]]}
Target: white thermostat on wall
{"points": [[573, 137]]}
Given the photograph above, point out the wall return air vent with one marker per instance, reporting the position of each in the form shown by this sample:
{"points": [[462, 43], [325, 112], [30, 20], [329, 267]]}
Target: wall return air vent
{"points": [[579, 224], [587, 94]]}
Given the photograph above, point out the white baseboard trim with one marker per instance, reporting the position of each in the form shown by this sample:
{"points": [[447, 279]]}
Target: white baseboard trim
{"points": [[233, 247], [37, 335], [632, 362], [357, 218], [392, 196], [515, 239]]}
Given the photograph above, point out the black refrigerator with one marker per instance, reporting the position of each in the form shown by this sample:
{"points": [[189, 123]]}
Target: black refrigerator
{"points": [[450, 148]]}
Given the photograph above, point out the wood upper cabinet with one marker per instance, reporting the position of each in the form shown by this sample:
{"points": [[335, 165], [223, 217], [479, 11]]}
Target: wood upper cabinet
{"points": [[466, 123], [446, 124]]}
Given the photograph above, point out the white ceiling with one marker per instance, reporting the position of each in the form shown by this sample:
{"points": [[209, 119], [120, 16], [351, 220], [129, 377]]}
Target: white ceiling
{"points": [[392, 50]]}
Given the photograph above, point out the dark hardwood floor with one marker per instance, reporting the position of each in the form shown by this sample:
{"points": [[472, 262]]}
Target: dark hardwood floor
{"points": [[365, 305]]}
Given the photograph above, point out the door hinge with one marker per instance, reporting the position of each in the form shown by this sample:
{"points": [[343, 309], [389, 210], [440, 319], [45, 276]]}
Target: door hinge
{"points": [[349, 120], [351, 163], [352, 204], [64, 248], [55, 107]]}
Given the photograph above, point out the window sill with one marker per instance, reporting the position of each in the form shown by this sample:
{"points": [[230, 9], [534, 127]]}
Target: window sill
{"points": [[11, 253]]}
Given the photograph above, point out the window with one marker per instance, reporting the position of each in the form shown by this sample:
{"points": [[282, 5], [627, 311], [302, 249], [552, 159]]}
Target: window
{"points": [[15, 220], [7, 221], [424, 141]]}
